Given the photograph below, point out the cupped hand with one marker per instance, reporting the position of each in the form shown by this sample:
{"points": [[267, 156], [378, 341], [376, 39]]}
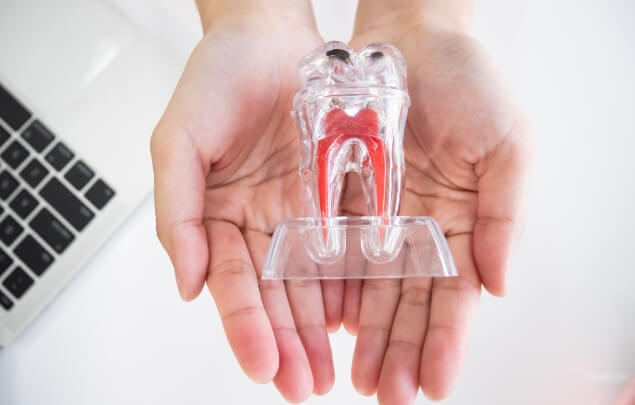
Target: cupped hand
{"points": [[225, 157], [467, 150]]}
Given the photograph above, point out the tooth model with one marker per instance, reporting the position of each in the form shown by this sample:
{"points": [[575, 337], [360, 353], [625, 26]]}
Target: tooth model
{"points": [[350, 112]]}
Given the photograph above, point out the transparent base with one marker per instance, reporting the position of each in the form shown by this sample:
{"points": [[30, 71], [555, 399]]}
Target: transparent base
{"points": [[358, 248]]}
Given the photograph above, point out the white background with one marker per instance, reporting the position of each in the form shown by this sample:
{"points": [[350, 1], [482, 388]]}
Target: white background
{"points": [[565, 334]]}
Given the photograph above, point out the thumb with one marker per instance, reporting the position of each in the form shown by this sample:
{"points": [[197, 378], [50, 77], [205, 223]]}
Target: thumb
{"points": [[503, 175], [179, 192]]}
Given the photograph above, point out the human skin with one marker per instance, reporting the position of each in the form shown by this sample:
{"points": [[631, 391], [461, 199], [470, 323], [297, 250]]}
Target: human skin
{"points": [[628, 394], [468, 149], [225, 156]]}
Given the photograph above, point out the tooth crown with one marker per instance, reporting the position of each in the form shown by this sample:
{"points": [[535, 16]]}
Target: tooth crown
{"points": [[350, 112], [335, 64]]}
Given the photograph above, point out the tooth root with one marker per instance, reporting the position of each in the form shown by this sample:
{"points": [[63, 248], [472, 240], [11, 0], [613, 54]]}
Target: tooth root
{"points": [[331, 167], [374, 176]]}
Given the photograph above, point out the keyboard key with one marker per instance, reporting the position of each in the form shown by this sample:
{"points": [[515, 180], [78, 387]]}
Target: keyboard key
{"points": [[51, 230], [79, 175], [9, 230], [5, 302], [33, 255], [65, 202], [23, 204], [15, 154], [59, 156], [5, 261], [8, 184], [4, 135], [99, 194], [34, 172], [11, 110], [38, 136], [18, 282]]}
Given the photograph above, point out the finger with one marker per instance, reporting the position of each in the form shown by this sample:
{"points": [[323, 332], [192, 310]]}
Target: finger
{"points": [[305, 299], [399, 377], [332, 293], [452, 306], [355, 266], [501, 194], [379, 301], [179, 190], [628, 395], [333, 297], [233, 283], [294, 379], [351, 305]]}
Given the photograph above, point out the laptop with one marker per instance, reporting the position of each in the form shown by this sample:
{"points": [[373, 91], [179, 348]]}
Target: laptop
{"points": [[81, 88]]}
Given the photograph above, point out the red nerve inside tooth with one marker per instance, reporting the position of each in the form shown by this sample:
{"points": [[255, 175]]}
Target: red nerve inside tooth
{"points": [[339, 128]]}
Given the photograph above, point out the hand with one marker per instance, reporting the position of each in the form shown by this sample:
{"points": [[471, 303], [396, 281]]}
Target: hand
{"points": [[628, 394], [225, 157], [467, 148]]}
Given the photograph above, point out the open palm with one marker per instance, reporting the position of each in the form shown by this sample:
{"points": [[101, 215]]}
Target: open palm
{"points": [[467, 148], [225, 156]]}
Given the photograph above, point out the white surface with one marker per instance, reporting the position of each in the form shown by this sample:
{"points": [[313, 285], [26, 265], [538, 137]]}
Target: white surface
{"points": [[85, 70], [565, 334]]}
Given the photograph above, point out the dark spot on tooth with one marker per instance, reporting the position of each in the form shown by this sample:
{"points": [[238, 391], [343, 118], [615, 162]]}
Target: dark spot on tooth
{"points": [[377, 55], [340, 54]]}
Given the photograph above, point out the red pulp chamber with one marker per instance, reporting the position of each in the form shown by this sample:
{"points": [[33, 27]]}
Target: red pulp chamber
{"points": [[339, 129]]}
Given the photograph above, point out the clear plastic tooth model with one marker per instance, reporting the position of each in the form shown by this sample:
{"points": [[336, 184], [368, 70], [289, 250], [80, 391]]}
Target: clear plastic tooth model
{"points": [[350, 113]]}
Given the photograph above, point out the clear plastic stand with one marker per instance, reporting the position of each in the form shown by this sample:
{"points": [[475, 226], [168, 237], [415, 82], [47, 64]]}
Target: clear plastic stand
{"points": [[350, 114], [358, 247]]}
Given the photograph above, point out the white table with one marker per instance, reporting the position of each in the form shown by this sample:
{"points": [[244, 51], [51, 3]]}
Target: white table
{"points": [[566, 333]]}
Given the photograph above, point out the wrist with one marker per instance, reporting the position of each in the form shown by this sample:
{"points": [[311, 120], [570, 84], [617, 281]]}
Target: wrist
{"points": [[402, 15], [298, 12]]}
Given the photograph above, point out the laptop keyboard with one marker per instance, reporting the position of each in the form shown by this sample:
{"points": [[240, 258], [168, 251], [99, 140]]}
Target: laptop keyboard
{"points": [[48, 196]]}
